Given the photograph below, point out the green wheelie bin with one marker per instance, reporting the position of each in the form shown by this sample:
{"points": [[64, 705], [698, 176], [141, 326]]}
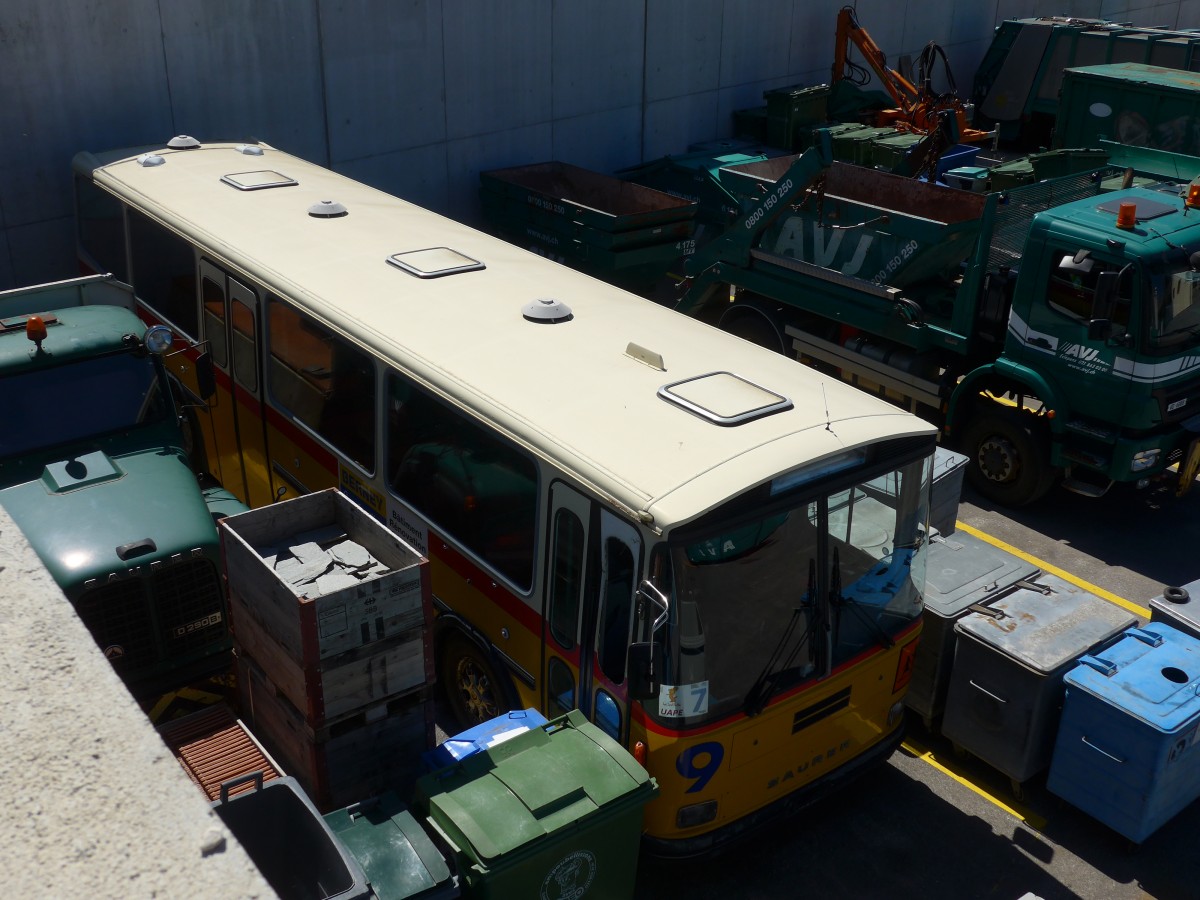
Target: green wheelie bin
{"points": [[554, 812]]}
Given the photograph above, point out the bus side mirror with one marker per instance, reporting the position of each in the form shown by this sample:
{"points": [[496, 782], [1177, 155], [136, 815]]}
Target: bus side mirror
{"points": [[206, 381], [642, 680]]}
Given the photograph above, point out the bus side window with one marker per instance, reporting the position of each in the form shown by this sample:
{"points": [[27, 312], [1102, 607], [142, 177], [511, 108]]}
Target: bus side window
{"points": [[467, 480], [164, 273], [322, 380], [618, 607]]}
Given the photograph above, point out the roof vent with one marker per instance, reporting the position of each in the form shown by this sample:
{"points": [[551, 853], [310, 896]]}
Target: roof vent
{"points": [[724, 398], [547, 311], [434, 262], [249, 150], [1144, 210], [150, 159], [327, 209], [257, 181], [183, 142]]}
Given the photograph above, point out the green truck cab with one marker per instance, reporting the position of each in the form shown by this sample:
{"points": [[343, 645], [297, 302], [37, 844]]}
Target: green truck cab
{"points": [[1052, 330], [93, 469]]}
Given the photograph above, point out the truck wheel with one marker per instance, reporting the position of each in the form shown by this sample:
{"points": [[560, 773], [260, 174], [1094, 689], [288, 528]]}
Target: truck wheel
{"points": [[751, 325], [473, 690], [1008, 463]]}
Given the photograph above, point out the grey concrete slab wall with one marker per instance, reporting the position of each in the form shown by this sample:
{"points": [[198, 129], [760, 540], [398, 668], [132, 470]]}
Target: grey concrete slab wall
{"points": [[418, 96], [95, 804]]}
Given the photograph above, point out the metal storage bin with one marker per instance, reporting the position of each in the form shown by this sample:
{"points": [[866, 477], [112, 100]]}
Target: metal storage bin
{"points": [[400, 860], [791, 109], [858, 146], [1006, 688], [1179, 607], [287, 839], [554, 812], [960, 573], [1126, 752], [948, 470]]}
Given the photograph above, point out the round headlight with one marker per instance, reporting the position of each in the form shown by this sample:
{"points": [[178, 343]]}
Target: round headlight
{"points": [[158, 339]]}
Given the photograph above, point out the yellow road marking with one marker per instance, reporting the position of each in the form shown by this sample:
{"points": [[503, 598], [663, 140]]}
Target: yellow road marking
{"points": [[925, 755], [1054, 570]]}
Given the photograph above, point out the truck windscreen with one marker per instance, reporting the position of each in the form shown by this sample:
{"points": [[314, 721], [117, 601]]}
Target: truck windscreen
{"points": [[78, 401]]}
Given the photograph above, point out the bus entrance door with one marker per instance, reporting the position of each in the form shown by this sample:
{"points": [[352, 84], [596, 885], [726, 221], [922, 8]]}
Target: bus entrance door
{"points": [[619, 561], [231, 316], [588, 618]]}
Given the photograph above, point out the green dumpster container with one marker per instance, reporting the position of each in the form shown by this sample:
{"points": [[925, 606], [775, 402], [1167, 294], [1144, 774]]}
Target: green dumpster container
{"points": [[400, 860], [790, 109], [553, 812]]}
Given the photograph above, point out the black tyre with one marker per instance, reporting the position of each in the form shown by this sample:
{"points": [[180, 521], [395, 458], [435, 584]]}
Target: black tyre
{"points": [[473, 690], [1009, 461], [753, 326]]}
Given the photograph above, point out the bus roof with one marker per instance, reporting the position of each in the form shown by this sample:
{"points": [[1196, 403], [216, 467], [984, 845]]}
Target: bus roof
{"points": [[570, 391]]}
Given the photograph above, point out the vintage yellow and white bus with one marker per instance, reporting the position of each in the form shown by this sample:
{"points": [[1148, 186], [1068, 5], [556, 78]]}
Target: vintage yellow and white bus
{"points": [[713, 551]]}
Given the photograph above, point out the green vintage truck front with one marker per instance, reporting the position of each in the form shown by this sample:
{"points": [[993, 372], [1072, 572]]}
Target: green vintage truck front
{"points": [[93, 470]]}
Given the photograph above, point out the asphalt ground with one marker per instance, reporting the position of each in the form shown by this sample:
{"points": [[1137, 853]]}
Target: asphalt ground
{"points": [[935, 823]]}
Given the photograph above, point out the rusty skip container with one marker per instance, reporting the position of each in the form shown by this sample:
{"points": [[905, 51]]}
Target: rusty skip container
{"points": [[590, 205]]}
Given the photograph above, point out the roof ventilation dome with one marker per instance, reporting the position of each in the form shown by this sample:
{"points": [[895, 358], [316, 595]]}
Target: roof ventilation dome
{"points": [[327, 209], [547, 311], [183, 142]]}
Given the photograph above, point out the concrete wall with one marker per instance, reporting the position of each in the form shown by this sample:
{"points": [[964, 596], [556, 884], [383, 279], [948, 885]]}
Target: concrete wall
{"points": [[95, 804], [418, 96]]}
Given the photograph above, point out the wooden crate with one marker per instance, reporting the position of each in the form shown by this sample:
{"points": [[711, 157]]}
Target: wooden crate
{"points": [[331, 688], [310, 626], [346, 761]]}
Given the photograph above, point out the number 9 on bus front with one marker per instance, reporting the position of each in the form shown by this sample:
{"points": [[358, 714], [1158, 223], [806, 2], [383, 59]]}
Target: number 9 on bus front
{"points": [[700, 762]]}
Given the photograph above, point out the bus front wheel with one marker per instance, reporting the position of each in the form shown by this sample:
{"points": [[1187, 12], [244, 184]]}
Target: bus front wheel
{"points": [[472, 687]]}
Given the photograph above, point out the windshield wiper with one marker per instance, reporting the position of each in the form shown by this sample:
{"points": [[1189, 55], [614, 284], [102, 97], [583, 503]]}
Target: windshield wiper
{"points": [[837, 601], [767, 684]]}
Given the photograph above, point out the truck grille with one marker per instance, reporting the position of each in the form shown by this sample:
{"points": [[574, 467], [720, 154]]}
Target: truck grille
{"points": [[140, 621], [189, 604], [1180, 402], [118, 616]]}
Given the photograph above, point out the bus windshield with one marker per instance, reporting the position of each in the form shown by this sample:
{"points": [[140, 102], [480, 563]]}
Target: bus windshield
{"points": [[763, 605], [78, 401]]}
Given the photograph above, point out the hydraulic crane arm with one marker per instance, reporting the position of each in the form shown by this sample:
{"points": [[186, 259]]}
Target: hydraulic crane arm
{"points": [[918, 108], [903, 92]]}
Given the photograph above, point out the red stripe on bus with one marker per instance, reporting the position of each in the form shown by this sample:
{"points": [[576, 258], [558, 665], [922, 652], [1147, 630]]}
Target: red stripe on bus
{"points": [[486, 584]]}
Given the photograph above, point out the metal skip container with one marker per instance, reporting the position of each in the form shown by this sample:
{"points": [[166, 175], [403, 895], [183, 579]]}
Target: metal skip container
{"points": [[1127, 751], [1178, 607], [961, 572], [1007, 686], [553, 812]]}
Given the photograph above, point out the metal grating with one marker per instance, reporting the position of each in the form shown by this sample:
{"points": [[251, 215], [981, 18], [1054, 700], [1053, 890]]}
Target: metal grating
{"points": [[1026, 201], [118, 617], [190, 611]]}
